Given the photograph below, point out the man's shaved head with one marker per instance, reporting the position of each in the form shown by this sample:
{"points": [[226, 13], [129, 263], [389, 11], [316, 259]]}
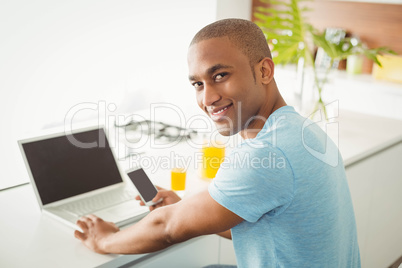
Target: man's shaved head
{"points": [[243, 34]]}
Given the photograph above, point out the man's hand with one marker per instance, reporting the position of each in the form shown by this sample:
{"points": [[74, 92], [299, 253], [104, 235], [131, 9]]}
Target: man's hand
{"points": [[168, 198], [95, 232]]}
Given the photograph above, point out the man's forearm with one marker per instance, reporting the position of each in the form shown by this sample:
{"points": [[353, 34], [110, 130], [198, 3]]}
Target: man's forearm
{"points": [[148, 235], [165, 226]]}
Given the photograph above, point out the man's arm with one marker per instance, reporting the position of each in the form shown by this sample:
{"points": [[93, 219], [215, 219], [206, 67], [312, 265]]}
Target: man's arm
{"points": [[165, 226]]}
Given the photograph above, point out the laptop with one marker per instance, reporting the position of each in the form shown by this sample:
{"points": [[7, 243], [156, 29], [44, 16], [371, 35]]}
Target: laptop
{"points": [[76, 174]]}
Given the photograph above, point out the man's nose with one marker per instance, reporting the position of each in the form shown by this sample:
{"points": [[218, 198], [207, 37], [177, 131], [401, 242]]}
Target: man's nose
{"points": [[211, 95]]}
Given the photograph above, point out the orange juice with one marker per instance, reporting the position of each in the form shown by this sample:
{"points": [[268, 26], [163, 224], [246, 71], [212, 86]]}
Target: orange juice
{"points": [[178, 179], [212, 157]]}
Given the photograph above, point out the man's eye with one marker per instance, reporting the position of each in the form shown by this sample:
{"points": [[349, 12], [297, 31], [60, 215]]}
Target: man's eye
{"points": [[197, 84], [220, 76]]}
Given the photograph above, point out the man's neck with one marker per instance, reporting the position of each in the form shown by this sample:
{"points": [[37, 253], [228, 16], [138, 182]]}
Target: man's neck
{"points": [[273, 103]]}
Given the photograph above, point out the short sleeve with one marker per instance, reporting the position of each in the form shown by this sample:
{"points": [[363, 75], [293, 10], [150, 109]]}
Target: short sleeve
{"points": [[253, 181]]}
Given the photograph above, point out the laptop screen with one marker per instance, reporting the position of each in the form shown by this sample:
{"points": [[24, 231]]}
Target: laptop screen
{"points": [[70, 165]]}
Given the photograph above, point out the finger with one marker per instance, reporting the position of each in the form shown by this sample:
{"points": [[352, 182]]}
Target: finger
{"points": [[94, 218], [157, 199], [111, 223], [159, 188], [80, 235], [156, 206], [83, 218], [82, 225], [139, 198], [87, 221], [160, 195]]}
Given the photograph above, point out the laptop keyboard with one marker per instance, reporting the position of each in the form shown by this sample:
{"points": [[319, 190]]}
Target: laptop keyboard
{"points": [[95, 203]]}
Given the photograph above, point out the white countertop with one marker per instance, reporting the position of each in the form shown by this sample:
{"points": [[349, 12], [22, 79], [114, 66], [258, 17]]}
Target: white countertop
{"points": [[362, 135]]}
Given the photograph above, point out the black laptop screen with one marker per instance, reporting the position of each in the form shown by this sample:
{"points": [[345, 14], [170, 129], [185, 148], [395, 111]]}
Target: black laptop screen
{"points": [[70, 165]]}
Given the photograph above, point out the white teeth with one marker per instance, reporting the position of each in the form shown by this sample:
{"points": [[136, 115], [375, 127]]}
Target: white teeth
{"points": [[218, 112]]}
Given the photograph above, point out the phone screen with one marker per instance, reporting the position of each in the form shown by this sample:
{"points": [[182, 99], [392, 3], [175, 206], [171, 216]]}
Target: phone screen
{"points": [[143, 184]]}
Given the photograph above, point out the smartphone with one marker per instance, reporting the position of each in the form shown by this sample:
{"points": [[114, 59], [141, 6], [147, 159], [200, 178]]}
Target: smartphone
{"points": [[144, 185]]}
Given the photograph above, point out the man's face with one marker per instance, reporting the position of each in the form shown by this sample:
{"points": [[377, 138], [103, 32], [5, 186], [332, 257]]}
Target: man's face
{"points": [[224, 83]]}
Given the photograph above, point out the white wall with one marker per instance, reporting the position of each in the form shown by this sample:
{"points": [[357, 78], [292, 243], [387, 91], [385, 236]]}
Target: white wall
{"points": [[56, 54], [233, 9]]}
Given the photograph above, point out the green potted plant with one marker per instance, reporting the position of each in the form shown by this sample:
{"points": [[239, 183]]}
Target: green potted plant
{"points": [[293, 40]]}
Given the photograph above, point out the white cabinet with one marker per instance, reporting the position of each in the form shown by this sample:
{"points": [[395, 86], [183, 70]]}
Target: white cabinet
{"points": [[198, 253], [226, 252], [376, 188]]}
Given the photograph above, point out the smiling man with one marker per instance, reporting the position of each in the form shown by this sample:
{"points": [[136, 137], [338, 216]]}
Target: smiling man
{"points": [[282, 205], [223, 65]]}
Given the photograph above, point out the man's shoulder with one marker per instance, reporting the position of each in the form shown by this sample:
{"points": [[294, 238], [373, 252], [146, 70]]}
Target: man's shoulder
{"points": [[279, 132], [257, 157]]}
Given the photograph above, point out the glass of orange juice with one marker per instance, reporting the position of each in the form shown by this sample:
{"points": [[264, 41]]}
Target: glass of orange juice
{"points": [[178, 179], [212, 157]]}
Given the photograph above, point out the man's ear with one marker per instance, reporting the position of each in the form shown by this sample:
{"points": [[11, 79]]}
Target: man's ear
{"points": [[266, 70]]}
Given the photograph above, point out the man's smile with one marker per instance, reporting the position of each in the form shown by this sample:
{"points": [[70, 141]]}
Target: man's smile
{"points": [[218, 113]]}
